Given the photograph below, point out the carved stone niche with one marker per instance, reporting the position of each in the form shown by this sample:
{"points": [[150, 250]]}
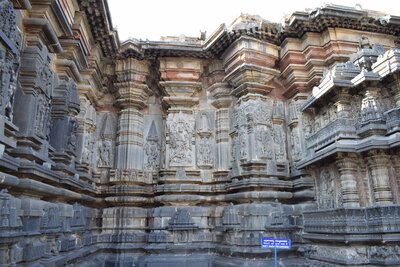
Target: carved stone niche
{"points": [[34, 92], [182, 226], [10, 43], [152, 150], [106, 144], [204, 143], [9, 213], [64, 125]]}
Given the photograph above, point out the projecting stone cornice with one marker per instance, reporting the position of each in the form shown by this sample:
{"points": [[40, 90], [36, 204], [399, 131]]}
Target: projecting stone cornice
{"points": [[316, 20]]}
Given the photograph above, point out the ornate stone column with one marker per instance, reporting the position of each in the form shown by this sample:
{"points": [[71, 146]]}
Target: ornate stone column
{"points": [[347, 165], [131, 99], [378, 163], [343, 104]]}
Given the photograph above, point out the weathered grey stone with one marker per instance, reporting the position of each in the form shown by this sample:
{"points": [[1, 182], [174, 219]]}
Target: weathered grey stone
{"points": [[187, 152]]}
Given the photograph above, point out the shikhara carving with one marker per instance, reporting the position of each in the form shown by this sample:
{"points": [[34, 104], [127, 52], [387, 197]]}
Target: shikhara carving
{"points": [[140, 152]]}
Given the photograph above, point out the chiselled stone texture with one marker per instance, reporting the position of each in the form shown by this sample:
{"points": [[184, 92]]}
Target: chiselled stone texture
{"points": [[187, 151]]}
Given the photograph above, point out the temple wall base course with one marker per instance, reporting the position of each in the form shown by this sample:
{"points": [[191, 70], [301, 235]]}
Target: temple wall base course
{"points": [[187, 151]]}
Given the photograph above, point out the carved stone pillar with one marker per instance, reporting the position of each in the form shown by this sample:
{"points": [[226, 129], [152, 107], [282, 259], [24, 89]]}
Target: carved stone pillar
{"points": [[343, 104], [132, 98], [86, 140], [395, 85], [378, 163], [37, 80], [395, 161], [64, 124], [347, 166]]}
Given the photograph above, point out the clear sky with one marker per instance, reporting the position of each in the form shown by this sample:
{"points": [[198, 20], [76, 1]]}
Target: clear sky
{"points": [[151, 19]]}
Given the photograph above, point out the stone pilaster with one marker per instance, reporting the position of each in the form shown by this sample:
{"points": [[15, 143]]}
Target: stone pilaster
{"points": [[132, 98], [220, 91], [347, 166], [378, 163], [343, 104]]}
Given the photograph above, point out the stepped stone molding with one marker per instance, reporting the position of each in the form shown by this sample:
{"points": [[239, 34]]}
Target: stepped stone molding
{"points": [[188, 150]]}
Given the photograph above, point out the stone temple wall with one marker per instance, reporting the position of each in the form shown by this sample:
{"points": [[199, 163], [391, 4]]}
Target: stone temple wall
{"points": [[186, 151]]}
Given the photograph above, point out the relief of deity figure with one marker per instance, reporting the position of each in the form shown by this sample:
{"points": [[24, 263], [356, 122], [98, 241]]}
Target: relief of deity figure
{"points": [[180, 138], [12, 85], [105, 152], [205, 155], [73, 136], [152, 150]]}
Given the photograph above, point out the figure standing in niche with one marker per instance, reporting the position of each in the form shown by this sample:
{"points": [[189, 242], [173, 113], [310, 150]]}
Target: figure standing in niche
{"points": [[152, 150], [295, 142], [105, 152], [11, 91], [72, 137], [326, 190]]}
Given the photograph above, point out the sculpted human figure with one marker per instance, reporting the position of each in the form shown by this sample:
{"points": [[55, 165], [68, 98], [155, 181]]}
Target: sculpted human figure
{"points": [[105, 152]]}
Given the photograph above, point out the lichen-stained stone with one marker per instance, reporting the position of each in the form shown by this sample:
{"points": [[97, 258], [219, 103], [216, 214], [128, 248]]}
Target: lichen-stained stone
{"points": [[140, 153]]}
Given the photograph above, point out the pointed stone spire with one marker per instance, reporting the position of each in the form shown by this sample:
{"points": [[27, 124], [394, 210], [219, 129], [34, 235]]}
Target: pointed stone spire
{"points": [[204, 126], [152, 135]]}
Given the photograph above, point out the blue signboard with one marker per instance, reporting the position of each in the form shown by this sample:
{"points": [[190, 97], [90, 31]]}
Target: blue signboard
{"points": [[267, 242], [278, 243]]}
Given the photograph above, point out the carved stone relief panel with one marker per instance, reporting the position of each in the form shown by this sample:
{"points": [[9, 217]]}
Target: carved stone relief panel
{"points": [[105, 153], [152, 149], [87, 154], [295, 146], [9, 57], [8, 83], [105, 143], [34, 93], [326, 194], [180, 133], [264, 140], [204, 141], [252, 130], [42, 117], [279, 137]]}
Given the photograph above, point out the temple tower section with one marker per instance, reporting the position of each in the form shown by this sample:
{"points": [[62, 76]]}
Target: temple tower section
{"points": [[180, 82], [257, 120]]}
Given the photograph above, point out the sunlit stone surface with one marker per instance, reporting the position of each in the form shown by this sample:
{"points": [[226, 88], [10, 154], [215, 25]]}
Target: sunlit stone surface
{"points": [[186, 151]]}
